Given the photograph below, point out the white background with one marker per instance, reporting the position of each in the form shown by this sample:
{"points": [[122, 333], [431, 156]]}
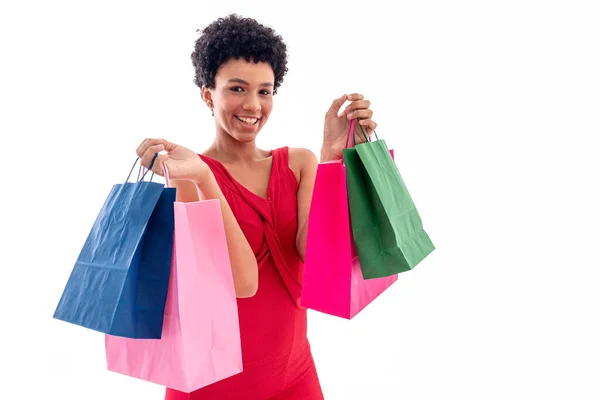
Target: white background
{"points": [[492, 109]]}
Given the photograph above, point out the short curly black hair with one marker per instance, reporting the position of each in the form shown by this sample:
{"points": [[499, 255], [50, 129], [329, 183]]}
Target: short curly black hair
{"points": [[237, 37]]}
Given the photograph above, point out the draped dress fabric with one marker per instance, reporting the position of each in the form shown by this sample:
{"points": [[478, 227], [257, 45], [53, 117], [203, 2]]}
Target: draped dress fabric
{"points": [[276, 354]]}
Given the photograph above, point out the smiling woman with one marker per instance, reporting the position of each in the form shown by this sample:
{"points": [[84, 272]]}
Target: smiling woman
{"points": [[265, 198], [244, 97]]}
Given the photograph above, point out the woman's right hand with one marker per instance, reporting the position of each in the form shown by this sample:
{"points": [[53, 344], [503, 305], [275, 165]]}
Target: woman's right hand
{"points": [[181, 162]]}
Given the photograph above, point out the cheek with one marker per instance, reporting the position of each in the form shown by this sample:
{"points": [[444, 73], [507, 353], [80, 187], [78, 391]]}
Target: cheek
{"points": [[267, 105], [230, 103]]}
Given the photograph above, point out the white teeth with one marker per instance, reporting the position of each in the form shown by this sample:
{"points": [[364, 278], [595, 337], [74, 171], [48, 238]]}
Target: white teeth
{"points": [[248, 121]]}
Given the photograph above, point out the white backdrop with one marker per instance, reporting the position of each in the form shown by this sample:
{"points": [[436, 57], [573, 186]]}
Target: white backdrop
{"points": [[492, 109]]}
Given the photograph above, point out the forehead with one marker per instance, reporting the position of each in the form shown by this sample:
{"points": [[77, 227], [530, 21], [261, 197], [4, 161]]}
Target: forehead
{"points": [[253, 73]]}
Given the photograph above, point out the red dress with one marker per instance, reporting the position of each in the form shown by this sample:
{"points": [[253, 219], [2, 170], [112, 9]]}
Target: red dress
{"points": [[276, 354]]}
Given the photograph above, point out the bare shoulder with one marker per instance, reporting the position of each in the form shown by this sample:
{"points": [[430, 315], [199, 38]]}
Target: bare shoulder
{"points": [[302, 160]]}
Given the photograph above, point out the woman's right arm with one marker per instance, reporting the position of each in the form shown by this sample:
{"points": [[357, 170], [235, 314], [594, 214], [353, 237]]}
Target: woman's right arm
{"points": [[243, 262]]}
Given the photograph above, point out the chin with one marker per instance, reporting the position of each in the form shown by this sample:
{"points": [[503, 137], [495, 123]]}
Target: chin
{"points": [[245, 138], [246, 134]]}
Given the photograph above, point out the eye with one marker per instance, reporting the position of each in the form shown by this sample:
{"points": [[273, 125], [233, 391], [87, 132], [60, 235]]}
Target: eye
{"points": [[265, 92], [237, 89]]}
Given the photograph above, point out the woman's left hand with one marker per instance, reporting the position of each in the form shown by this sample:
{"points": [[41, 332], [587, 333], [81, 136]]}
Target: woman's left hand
{"points": [[336, 125]]}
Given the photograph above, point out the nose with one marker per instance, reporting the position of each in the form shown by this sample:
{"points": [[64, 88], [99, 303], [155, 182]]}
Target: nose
{"points": [[252, 103]]}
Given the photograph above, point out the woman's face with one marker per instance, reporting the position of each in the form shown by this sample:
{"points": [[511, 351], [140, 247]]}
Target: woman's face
{"points": [[242, 98]]}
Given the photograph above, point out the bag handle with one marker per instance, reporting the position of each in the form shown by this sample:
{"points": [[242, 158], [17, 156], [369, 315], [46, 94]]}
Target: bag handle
{"points": [[141, 166], [365, 135], [350, 130], [353, 134], [166, 174]]}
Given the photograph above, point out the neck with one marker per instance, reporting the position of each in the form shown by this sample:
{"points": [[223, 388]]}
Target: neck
{"points": [[230, 151]]}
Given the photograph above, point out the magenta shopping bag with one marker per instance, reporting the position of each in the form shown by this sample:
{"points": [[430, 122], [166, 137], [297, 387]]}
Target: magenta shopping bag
{"points": [[333, 281], [200, 341]]}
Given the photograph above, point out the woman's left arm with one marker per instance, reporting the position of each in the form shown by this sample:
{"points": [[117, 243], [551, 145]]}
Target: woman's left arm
{"points": [[334, 138]]}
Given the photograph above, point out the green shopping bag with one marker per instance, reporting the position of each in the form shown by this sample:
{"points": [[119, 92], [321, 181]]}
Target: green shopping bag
{"points": [[386, 227]]}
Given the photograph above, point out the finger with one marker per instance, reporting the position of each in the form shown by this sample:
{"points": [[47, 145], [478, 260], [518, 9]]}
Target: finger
{"points": [[369, 124], [140, 150], [169, 146], [146, 144], [336, 105], [366, 126], [148, 155], [366, 114], [355, 96], [157, 168], [358, 105]]}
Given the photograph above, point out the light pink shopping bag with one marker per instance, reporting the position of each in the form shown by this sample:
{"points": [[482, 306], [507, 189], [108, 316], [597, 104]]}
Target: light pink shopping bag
{"points": [[200, 341], [333, 281]]}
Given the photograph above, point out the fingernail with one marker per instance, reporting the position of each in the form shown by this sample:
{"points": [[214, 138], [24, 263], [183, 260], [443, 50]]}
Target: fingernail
{"points": [[350, 116]]}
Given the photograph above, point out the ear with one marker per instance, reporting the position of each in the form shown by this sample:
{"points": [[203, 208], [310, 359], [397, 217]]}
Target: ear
{"points": [[207, 96]]}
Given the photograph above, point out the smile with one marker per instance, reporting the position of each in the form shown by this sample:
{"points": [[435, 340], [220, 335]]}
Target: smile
{"points": [[248, 121]]}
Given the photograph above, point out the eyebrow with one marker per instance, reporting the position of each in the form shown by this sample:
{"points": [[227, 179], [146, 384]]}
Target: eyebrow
{"points": [[238, 80]]}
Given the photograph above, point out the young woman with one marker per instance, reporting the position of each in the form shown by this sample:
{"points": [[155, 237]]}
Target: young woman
{"points": [[265, 198]]}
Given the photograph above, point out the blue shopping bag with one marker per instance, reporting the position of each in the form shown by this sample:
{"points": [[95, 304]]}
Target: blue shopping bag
{"points": [[119, 283]]}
